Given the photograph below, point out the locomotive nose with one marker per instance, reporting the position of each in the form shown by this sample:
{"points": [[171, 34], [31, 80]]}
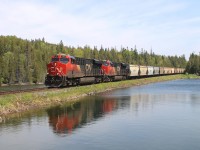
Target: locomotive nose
{"points": [[54, 64], [52, 68]]}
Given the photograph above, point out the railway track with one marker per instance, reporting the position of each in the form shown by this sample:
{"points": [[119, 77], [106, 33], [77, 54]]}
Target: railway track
{"points": [[21, 91], [15, 91]]}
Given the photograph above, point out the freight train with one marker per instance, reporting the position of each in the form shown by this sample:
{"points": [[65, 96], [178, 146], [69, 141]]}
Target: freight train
{"points": [[65, 70]]}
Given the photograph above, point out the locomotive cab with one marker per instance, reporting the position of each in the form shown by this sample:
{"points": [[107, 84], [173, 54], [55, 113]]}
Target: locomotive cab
{"points": [[108, 68], [60, 58], [59, 68]]}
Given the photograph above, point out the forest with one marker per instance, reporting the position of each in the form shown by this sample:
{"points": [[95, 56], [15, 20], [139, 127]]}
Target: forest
{"points": [[24, 61], [193, 65]]}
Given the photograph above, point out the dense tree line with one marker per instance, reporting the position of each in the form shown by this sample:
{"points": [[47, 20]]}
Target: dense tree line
{"points": [[193, 65], [24, 61]]}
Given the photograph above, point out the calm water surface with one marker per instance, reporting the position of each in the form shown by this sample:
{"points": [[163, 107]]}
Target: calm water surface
{"points": [[161, 116]]}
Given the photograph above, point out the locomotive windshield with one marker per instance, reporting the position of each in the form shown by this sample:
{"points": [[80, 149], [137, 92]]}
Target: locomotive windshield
{"points": [[54, 59], [105, 63], [64, 60]]}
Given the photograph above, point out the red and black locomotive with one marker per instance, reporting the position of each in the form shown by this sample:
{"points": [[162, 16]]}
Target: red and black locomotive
{"points": [[64, 70]]}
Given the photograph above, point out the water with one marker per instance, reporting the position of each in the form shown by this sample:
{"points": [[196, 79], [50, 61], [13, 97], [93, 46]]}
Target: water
{"points": [[161, 116]]}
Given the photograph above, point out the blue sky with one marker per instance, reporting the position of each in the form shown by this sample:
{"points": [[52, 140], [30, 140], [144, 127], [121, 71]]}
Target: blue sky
{"points": [[169, 27]]}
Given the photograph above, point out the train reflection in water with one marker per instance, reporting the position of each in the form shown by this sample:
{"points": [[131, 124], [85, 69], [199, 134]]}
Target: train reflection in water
{"points": [[65, 119]]}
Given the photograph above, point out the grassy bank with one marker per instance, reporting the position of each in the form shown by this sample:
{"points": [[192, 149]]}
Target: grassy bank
{"points": [[27, 101]]}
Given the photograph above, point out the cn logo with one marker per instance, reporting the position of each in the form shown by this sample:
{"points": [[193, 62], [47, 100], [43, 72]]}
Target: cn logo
{"points": [[88, 67], [118, 69]]}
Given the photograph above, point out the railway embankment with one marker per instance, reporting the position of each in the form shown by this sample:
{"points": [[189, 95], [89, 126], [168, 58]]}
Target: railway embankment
{"points": [[21, 102]]}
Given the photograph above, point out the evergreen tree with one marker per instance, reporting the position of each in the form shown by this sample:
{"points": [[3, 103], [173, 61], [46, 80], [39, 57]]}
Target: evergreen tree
{"points": [[193, 65]]}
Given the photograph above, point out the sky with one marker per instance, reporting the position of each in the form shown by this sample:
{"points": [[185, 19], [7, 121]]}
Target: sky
{"points": [[168, 27]]}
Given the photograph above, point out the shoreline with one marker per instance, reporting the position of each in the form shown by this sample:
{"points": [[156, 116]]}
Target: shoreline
{"points": [[22, 102]]}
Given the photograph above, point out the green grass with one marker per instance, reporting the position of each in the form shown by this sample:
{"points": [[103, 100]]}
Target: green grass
{"points": [[25, 101], [191, 76]]}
